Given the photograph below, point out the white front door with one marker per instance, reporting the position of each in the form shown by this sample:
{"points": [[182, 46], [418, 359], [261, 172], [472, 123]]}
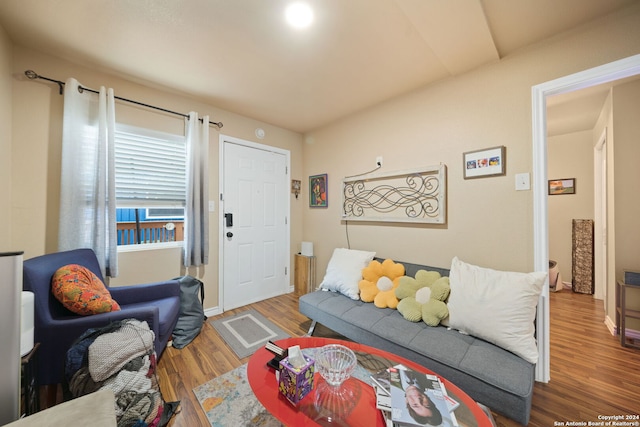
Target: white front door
{"points": [[254, 230]]}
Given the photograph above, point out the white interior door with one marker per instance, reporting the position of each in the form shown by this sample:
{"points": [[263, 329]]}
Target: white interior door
{"points": [[255, 208]]}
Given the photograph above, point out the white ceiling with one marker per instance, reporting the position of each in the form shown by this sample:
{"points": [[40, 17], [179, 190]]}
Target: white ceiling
{"points": [[240, 55]]}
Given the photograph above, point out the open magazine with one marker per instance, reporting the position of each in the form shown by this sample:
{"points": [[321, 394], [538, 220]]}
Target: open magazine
{"points": [[419, 400]]}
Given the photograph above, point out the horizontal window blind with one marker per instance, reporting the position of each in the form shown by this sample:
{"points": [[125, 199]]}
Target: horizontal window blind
{"points": [[150, 167]]}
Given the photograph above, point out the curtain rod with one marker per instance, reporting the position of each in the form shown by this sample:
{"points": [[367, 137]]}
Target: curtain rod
{"points": [[32, 75]]}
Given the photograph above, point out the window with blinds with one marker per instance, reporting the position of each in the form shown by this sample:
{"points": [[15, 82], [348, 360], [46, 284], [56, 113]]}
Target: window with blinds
{"points": [[150, 176], [150, 168]]}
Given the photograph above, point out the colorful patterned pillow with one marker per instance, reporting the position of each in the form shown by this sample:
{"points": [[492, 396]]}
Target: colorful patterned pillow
{"points": [[81, 291]]}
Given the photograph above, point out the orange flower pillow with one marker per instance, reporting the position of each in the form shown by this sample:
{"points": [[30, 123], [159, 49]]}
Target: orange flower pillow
{"points": [[81, 291]]}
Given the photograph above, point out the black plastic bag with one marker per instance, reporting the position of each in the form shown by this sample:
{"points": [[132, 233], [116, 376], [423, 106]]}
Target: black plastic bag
{"points": [[191, 316]]}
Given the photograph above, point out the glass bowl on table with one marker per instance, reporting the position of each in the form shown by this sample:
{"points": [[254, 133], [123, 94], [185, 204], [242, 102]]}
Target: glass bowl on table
{"points": [[335, 363]]}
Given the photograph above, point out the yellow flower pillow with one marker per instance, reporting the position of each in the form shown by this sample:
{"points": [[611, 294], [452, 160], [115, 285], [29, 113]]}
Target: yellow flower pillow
{"points": [[379, 280], [81, 291]]}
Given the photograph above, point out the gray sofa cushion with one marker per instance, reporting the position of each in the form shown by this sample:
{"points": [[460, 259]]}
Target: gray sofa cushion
{"points": [[489, 374]]}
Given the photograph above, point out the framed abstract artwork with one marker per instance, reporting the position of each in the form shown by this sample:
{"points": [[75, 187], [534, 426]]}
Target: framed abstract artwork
{"points": [[318, 196]]}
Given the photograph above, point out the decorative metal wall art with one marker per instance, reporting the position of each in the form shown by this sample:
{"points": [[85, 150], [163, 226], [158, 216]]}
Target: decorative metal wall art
{"points": [[417, 195]]}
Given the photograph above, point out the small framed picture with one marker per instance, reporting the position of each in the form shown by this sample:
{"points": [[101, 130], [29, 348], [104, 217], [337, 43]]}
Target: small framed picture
{"points": [[484, 163], [562, 186], [296, 185], [318, 196]]}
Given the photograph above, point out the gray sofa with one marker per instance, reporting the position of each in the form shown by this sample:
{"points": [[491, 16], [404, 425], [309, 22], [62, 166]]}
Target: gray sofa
{"points": [[489, 374]]}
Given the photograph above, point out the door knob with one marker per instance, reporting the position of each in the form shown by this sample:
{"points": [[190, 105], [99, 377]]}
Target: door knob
{"points": [[229, 234]]}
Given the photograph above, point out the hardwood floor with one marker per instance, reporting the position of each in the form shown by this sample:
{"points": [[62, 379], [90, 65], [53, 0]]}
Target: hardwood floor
{"points": [[591, 374]]}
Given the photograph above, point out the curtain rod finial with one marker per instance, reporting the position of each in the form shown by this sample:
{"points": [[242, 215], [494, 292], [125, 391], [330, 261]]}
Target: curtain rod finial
{"points": [[31, 75]]}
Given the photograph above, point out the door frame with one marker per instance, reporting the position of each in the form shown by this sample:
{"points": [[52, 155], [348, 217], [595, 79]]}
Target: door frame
{"points": [[223, 139], [600, 208], [602, 74]]}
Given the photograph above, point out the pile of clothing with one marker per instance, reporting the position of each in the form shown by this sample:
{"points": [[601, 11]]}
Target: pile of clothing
{"points": [[120, 357]]}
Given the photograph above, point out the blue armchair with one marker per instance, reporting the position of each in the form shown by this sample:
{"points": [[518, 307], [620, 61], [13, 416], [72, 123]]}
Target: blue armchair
{"points": [[56, 328]]}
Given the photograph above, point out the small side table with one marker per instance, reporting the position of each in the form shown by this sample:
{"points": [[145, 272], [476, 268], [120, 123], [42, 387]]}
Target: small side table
{"points": [[29, 385], [304, 274], [622, 312]]}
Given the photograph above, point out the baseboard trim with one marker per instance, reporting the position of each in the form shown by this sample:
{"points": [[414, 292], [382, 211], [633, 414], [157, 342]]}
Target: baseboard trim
{"points": [[611, 326], [213, 311]]}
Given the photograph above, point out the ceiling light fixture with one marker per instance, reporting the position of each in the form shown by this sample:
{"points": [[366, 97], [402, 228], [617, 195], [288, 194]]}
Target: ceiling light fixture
{"points": [[299, 15]]}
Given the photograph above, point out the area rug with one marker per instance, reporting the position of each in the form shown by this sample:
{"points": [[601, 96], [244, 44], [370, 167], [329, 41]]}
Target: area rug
{"points": [[229, 401], [247, 331]]}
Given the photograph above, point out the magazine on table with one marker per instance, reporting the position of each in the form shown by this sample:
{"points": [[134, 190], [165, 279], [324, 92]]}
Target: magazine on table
{"points": [[387, 418], [383, 399], [381, 381], [419, 400], [382, 387]]}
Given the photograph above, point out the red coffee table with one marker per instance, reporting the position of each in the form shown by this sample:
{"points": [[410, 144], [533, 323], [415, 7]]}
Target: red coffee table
{"points": [[357, 402]]}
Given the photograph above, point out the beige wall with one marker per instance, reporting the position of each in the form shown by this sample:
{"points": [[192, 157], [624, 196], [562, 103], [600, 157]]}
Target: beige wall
{"points": [[36, 159], [489, 223], [569, 156], [5, 141], [626, 128]]}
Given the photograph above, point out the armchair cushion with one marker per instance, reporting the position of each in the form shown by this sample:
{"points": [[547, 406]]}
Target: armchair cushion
{"points": [[81, 291]]}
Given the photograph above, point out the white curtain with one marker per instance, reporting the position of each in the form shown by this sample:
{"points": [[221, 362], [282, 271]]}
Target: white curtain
{"points": [[196, 215], [87, 187]]}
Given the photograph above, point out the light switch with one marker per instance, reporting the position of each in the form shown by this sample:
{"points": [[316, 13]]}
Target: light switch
{"points": [[522, 182], [212, 205]]}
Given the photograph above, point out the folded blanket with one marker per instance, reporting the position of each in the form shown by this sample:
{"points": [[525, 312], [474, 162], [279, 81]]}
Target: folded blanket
{"points": [[112, 351], [136, 381]]}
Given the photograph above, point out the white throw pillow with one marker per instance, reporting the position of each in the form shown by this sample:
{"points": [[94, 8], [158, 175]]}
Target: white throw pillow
{"points": [[345, 271], [496, 306]]}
